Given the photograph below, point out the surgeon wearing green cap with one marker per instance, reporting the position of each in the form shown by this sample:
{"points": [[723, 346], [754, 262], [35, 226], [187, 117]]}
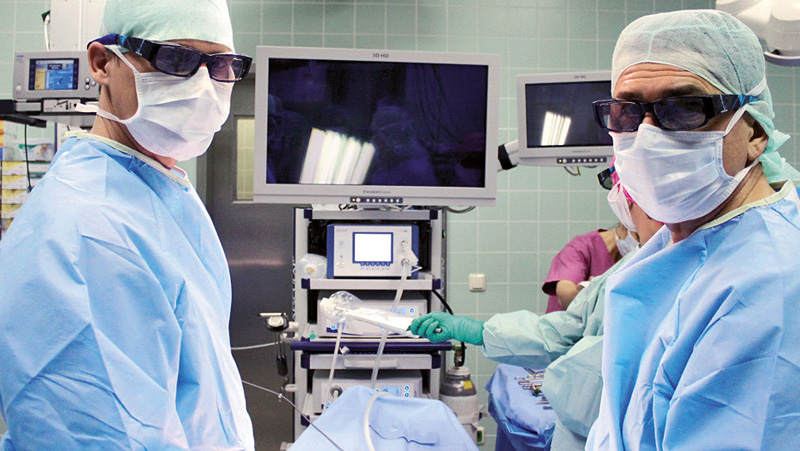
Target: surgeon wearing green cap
{"points": [[115, 293], [702, 326]]}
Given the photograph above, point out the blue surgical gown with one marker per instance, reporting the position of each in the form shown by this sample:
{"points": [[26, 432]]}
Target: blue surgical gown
{"points": [[114, 313], [570, 344], [702, 343]]}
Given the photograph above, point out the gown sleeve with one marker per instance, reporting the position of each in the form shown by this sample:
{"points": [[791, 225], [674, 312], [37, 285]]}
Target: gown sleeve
{"points": [[91, 342], [524, 338], [574, 382]]}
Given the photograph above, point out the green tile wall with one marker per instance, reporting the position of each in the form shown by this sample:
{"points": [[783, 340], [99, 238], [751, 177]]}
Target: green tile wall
{"points": [[538, 209]]}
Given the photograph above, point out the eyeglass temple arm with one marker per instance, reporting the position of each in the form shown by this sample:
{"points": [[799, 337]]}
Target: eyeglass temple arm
{"points": [[109, 39], [143, 47], [726, 102]]}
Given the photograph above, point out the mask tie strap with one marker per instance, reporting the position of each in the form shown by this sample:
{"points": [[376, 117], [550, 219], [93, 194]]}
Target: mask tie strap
{"points": [[734, 119], [83, 108], [103, 113], [115, 50], [759, 88], [755, 92]]}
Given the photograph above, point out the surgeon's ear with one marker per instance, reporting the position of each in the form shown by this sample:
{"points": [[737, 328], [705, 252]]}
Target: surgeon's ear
{"points": [[99, 59], [758, 140]]}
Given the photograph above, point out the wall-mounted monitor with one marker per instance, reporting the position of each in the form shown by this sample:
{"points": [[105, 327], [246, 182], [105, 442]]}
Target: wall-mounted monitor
{"points": [[556, 122], [348, 126]]}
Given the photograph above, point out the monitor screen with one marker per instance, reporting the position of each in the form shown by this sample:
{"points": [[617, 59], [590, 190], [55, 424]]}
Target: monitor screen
{"points": [[556, 119], [53, 74], [372, 247], [355, 126]]}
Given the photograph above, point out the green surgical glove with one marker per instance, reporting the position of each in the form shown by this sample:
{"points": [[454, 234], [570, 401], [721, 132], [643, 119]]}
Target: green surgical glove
{"points": [[459, 328]]}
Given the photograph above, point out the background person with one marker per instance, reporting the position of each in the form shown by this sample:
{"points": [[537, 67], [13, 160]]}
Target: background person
{"points": [[584, 257], [569, 343], [713, 360], [400, 158], [116, 293]]}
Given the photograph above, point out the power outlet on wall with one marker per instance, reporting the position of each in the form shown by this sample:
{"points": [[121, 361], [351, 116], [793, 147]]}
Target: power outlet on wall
{"points": [[477, 282]]}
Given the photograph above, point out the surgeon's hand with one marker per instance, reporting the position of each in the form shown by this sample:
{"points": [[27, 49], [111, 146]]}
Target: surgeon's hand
{"points": [[460, 328]]}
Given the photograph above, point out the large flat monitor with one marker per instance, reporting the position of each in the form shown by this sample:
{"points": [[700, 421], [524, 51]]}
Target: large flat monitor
{"points": [[364, 127], [556, 122]]}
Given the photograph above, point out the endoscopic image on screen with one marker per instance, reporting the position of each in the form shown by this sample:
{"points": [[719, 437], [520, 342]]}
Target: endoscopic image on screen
{"points": [[376, 123], [560, 114]]}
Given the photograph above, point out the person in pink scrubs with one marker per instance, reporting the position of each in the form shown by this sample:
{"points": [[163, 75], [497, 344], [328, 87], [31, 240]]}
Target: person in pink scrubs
{"points": [[584, 257]]}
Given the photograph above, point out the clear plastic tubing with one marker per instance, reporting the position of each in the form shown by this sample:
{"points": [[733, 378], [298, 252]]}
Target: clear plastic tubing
{"points": [[385, 331]]}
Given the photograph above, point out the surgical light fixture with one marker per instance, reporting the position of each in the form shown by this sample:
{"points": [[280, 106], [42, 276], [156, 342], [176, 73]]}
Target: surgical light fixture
{"points": [[776, 22]]}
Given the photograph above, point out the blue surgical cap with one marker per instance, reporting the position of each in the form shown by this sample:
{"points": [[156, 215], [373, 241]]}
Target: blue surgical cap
{"points": [[165, 20], [717, 47]]}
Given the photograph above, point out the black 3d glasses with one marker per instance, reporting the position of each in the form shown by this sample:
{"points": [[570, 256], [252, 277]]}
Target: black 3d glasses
{"points": [[672, 113], [181, 61]]}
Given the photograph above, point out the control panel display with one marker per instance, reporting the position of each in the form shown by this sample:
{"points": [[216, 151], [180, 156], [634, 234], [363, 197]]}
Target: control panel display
{"points": [[63, 76], [370, 250], [53, 74]]}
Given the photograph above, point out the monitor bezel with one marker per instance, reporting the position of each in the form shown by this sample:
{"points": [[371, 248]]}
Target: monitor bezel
{"points": [[438, 196], [536, 155]]}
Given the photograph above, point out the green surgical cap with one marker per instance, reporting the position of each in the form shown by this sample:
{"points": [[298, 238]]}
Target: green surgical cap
{"points": [[165, 20], [717, 47]]}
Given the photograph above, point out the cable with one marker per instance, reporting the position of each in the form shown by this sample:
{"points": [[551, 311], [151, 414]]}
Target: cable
{"points": [[280, 356], [244, 348], [46, 20], [305, 417], [326, 401], [453, 210], [367, 435], [444, 303], [450, 311], [27, 160], [576, 173], [385, 332]]}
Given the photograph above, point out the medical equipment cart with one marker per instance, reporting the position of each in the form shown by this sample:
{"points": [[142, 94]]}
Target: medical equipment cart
{"points": [[405, 360]]}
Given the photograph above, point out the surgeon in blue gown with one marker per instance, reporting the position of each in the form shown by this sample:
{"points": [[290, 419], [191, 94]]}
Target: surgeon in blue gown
{"points": [[116, 294], [702, 326], [568, 344]]}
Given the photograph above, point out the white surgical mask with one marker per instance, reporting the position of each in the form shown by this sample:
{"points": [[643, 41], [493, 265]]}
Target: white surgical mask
{"points": [[619, 205], [627, 244], [177, 117], [675, 176]]}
